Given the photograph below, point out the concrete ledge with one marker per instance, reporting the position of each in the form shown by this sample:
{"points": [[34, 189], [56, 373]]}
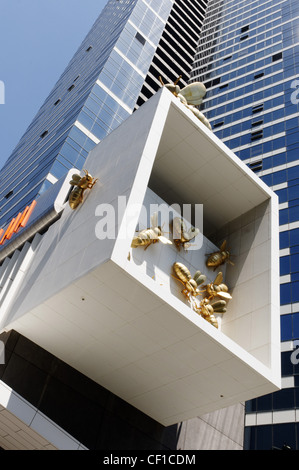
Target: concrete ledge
{"points": [[108, 315]]}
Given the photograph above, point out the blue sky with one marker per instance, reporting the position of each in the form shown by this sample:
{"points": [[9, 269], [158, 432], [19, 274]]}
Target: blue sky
{"points": [[37, 40]]}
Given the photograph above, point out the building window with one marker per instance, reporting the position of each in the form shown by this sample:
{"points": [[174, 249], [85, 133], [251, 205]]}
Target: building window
{"points": [[259, 75], [257, 123], [89, 49], [277, 56], [218, 124], [214, 82], [7, 196], [256, 166], [44, 134], [244, 37], [71, 87], [56, 102], [257, 109], [257, 135], [245, 28], [223, 86], [140, 38]]}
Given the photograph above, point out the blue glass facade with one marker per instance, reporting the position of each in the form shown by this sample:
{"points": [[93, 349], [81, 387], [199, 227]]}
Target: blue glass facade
{"points": [[98, 90], [248, 58], [25, 175]]}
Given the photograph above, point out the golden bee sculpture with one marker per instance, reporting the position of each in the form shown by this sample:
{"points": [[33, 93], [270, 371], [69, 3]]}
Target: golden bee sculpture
{"points": [[217, 289], [191, 96], [151, 235], [219, 257], [81, 183], [207, 310], [190, 284], [216, 293], [182, 236]]}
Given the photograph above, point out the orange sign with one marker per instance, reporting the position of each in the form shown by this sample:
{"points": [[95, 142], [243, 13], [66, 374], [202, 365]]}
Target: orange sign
{"points": [[15, 224]]}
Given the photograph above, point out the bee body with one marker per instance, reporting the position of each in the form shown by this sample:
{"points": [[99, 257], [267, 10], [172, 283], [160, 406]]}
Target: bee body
{"points": [[150, 235], [146, 237], [191, 96], [76, 197], [191, 284], [81, 184], [181, 235], [218, 258], [207, 312], [182, 272], [217, 288]]}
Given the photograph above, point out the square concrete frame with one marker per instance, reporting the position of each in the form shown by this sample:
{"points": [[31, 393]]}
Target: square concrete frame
{"points": [[121, 319]]}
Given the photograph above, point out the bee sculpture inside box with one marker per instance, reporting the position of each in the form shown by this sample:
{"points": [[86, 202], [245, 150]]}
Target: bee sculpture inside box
{"points": [[215, 294], [81, 183], [181, 236], [217, 288], [190, 284], [150, 235], [191, 96], [219, 257], [207, 310]]}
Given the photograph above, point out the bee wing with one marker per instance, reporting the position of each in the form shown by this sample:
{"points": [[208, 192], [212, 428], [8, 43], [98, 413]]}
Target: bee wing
{"points": [[218, 279], [224, 295], [75, 179], [178, 227], [180, 223], [223, 246], [194, 93], [192, 233], [199, 278], [154, 220], [165, 240]]}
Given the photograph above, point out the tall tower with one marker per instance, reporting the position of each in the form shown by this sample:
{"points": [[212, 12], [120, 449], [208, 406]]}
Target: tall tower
{"points": [[115, 69], [248, 60]]}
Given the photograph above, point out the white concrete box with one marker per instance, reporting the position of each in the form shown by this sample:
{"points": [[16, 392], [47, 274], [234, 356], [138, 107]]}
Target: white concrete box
{"points": [[116, 313]]}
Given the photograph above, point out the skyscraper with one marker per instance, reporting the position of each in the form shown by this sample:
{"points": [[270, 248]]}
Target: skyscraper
{"points": [[115, 69], [248, 58], [110, 76]]}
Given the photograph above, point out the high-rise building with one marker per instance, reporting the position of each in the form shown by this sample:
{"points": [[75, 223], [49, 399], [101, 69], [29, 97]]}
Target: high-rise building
{"points": [[115, 69], [248, 58], [75, 314]]}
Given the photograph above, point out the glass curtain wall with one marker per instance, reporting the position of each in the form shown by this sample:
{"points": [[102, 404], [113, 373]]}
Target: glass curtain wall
{"points": [[248, 58], [95, 93], [112, 73]]}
